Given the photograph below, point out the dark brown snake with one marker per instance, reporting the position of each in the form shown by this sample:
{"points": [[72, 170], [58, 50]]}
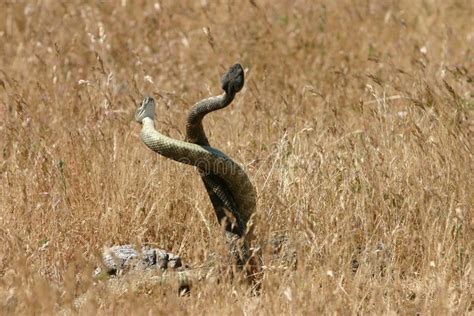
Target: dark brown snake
{"points": [[222, 199]]}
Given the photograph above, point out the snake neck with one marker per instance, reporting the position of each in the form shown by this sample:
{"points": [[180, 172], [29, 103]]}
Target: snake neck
{"points": [[148, 124], [194, 130]]}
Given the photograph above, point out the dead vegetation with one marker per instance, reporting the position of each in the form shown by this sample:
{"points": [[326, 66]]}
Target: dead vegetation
{"points": [[355, 125]]}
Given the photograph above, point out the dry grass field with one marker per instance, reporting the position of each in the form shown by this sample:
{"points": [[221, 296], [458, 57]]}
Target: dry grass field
{"points": [[355, 125]]}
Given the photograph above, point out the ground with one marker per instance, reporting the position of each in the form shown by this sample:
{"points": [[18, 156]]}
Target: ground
{"points": [[355, 125]]}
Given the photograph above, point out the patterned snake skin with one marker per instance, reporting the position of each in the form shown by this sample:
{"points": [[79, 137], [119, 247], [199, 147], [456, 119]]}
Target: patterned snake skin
{"points": [[222, 199], [223, 172]]}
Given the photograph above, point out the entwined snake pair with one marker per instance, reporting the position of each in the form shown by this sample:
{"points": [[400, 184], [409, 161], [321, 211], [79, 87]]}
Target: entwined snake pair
{"points": [[228, 186]]}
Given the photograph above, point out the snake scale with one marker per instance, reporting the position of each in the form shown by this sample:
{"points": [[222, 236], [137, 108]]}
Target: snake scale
{"points": [[230, 190]]}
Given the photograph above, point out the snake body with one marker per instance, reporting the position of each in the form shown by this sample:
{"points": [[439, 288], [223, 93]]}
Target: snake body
{"points": [[207, 159], [221, 196], [228, 186]]}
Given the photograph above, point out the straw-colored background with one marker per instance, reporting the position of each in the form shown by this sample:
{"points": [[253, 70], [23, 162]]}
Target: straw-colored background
{"points": [[355, 126]]}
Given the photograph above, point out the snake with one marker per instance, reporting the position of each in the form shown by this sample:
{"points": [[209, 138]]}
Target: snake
{"points": [[226, 181], [221, 196]]}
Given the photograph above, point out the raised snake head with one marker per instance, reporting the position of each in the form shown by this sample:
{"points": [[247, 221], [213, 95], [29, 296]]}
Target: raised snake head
{"points": [[146, 109], [233, 81]]}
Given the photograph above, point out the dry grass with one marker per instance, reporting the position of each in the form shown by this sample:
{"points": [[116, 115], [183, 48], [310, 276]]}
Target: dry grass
{"points": [[355, 126]]}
